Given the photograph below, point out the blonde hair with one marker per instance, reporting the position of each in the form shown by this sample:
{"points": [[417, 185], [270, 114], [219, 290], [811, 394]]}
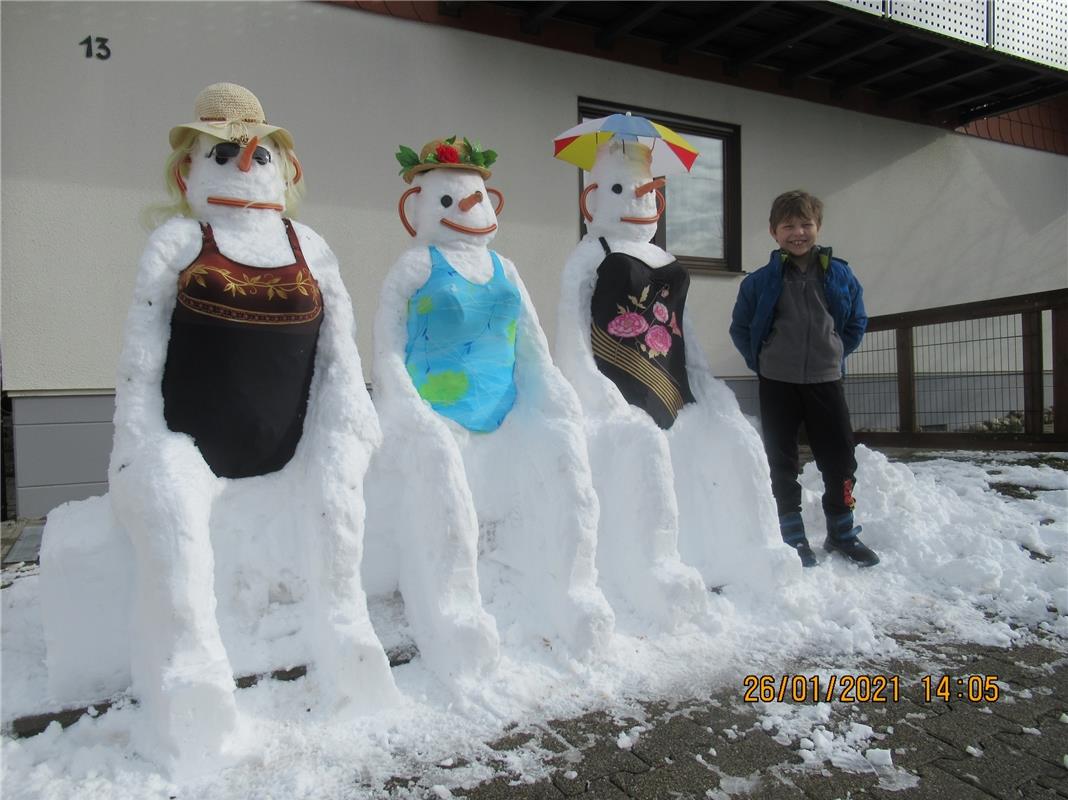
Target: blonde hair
{"points": [[177, 205]]}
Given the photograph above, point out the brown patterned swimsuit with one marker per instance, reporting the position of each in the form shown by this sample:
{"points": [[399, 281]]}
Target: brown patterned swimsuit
{"points": [[240, 358]]}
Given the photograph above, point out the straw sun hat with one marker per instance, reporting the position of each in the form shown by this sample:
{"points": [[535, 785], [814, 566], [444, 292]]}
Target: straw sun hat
{"points": [[232, 113], [445, 154]]}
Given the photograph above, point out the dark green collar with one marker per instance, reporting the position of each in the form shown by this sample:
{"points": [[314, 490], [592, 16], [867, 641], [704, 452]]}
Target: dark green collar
{"points": [[822, 253]]}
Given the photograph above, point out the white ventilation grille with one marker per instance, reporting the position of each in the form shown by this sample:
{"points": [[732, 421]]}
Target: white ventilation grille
{"points": [[960, 19], [871, 6], [1033, 29]]}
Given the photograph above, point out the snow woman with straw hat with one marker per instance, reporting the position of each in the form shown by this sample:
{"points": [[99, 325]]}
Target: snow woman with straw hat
{"points": [[481, 492], [243, 430]]}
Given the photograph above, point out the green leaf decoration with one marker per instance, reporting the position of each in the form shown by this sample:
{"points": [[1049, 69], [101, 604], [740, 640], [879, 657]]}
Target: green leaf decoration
{"points": [[450, 140], [488, 156], [407, 157]]}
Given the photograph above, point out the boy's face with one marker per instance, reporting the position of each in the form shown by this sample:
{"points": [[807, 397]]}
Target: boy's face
{"points": [[796, 235]]}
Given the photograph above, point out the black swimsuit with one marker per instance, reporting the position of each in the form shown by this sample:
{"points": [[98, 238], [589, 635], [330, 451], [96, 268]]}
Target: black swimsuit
{"points": [[240, 358], [637, 333]]}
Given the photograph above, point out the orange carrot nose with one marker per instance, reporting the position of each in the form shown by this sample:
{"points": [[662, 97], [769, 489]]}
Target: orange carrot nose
{"points": [[245, 162], [645, 188], [470, 201]]}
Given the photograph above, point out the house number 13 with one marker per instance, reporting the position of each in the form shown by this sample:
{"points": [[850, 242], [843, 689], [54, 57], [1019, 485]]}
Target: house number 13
{"points": [[103, 52]]}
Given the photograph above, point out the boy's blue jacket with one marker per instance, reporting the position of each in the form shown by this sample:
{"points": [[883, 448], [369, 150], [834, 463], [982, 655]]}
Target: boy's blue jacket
{"points": [[754, 311]]}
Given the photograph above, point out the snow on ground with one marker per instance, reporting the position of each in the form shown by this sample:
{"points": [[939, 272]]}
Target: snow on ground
{"points": [[961, 559]]}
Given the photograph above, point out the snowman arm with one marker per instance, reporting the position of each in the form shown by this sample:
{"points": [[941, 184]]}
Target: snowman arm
{"points": [[539, 382], [139, 420], [339, 405], [395, 393]]}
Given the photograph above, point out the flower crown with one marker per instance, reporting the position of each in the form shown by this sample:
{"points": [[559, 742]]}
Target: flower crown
{"points": [[445, 153]]}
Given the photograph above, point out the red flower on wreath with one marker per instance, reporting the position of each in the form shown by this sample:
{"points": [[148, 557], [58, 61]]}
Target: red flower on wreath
{"points": [[447, 154]]}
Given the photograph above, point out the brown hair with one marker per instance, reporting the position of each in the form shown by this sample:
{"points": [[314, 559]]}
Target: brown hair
{"points": [[796, 203]]}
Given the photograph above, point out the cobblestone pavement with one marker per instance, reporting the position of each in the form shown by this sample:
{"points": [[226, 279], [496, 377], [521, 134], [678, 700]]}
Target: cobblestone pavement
{"points": [[719, 747]]}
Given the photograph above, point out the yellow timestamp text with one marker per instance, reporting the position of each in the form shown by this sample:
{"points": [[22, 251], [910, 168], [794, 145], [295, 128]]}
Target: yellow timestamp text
{"points": [[814, 689], [973, 688]]}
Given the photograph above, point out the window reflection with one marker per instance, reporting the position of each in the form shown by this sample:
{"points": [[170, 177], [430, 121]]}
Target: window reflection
{"points": [[695, 203]]}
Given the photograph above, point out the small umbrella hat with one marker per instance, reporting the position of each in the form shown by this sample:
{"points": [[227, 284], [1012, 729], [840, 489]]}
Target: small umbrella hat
{"points": [[671, 153]]}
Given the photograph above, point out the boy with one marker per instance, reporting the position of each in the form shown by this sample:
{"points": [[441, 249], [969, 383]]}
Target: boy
{"points": [[795, 321]]}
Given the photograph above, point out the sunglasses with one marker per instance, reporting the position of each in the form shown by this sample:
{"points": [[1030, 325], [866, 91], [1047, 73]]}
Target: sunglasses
{"points": [[224, 151]]}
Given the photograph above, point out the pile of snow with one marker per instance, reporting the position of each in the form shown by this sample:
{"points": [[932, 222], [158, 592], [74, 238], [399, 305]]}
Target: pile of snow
{"points": [[954, 565]]}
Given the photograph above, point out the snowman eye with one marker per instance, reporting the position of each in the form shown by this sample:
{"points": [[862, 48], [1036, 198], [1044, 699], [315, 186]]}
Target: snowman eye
{"points": [[617, 188], [446, 200]]}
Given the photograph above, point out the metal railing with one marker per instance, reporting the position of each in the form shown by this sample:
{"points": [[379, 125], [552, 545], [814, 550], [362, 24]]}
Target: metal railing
{"points": [[991, 374]]}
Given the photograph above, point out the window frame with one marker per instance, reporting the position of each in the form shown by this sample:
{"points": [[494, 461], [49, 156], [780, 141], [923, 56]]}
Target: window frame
{"points": [[728, 133]]}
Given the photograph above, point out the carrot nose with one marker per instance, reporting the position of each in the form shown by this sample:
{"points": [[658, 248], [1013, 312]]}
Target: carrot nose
{"points": [[645, 188], [245, 162], [470, 201]]}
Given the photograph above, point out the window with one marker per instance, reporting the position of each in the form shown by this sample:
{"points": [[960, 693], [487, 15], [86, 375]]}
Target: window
{"points": [[702, 224]]}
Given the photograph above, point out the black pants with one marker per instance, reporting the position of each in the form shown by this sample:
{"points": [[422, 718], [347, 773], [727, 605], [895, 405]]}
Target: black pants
{"points": [[822, 408]]}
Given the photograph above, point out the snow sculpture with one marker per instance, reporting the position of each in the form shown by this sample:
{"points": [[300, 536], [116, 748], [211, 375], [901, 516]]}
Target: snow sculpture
{"points": [[678, 469], [482, 489], [231, 538]]}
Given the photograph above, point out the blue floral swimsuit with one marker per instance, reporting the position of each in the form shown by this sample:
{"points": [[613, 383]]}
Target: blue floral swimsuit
{"points": [[461, 344]]}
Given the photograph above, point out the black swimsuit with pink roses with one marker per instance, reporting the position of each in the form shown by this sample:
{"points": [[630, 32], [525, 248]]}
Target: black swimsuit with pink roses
{"points": [[637, 333]]}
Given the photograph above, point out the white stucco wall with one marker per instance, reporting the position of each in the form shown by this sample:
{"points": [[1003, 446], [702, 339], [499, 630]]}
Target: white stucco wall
{"points": [[926, 217]]}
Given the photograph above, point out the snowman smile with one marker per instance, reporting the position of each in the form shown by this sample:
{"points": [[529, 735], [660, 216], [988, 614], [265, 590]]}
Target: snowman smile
{"points": [[456, 226], [238, 202]]}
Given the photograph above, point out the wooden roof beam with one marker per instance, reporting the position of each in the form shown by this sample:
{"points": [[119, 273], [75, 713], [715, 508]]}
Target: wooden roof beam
{"points": [[894, 66], [535, 19], [671, 52], [625, 23], [763, 51], [845, 55], [923, 86]]}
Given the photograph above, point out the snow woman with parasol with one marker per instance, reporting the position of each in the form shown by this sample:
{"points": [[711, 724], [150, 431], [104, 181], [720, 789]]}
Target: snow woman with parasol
{"points": [[677, 468], [482, 490], [231, 539]]}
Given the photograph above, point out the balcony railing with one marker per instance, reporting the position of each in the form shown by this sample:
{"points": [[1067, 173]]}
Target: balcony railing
{"points": [[991, 374], [1034, 30]]}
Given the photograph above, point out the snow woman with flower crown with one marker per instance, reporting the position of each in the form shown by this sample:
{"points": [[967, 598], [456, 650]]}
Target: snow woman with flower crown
{"points": [[481, 497], [243, 430], [677, 468]]}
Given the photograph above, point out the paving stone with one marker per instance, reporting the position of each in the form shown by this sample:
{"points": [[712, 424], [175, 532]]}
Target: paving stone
{"points": [[966, 727], [1028, 711], [1058, 784], [685, 778], [935, 784], [1051, 745], [500, 788], [918, 746], [582, 731], [600, 760], [1036, 791], [532, 737], [751, 753], [1033, 655], [999, 770], [672, 739], [834, 786]]}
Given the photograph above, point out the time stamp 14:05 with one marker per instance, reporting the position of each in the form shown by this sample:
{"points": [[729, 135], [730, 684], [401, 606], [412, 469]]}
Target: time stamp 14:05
{"points": [[866, 688]]}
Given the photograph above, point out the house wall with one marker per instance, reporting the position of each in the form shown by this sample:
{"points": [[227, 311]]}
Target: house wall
{"points": [[926, 217]]}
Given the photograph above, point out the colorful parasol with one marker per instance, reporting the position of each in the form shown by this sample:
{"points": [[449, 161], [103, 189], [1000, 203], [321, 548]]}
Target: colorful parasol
{"points": [[671, 153]]}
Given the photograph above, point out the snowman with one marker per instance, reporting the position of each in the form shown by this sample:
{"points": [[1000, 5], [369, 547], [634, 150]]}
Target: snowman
{"points": [[482, 485], [241, 412], [680, 474]]}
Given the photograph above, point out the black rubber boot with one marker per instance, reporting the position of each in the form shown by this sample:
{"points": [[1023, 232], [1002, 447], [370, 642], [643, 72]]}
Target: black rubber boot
{"points": [[792, 528], [842, 538]]}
